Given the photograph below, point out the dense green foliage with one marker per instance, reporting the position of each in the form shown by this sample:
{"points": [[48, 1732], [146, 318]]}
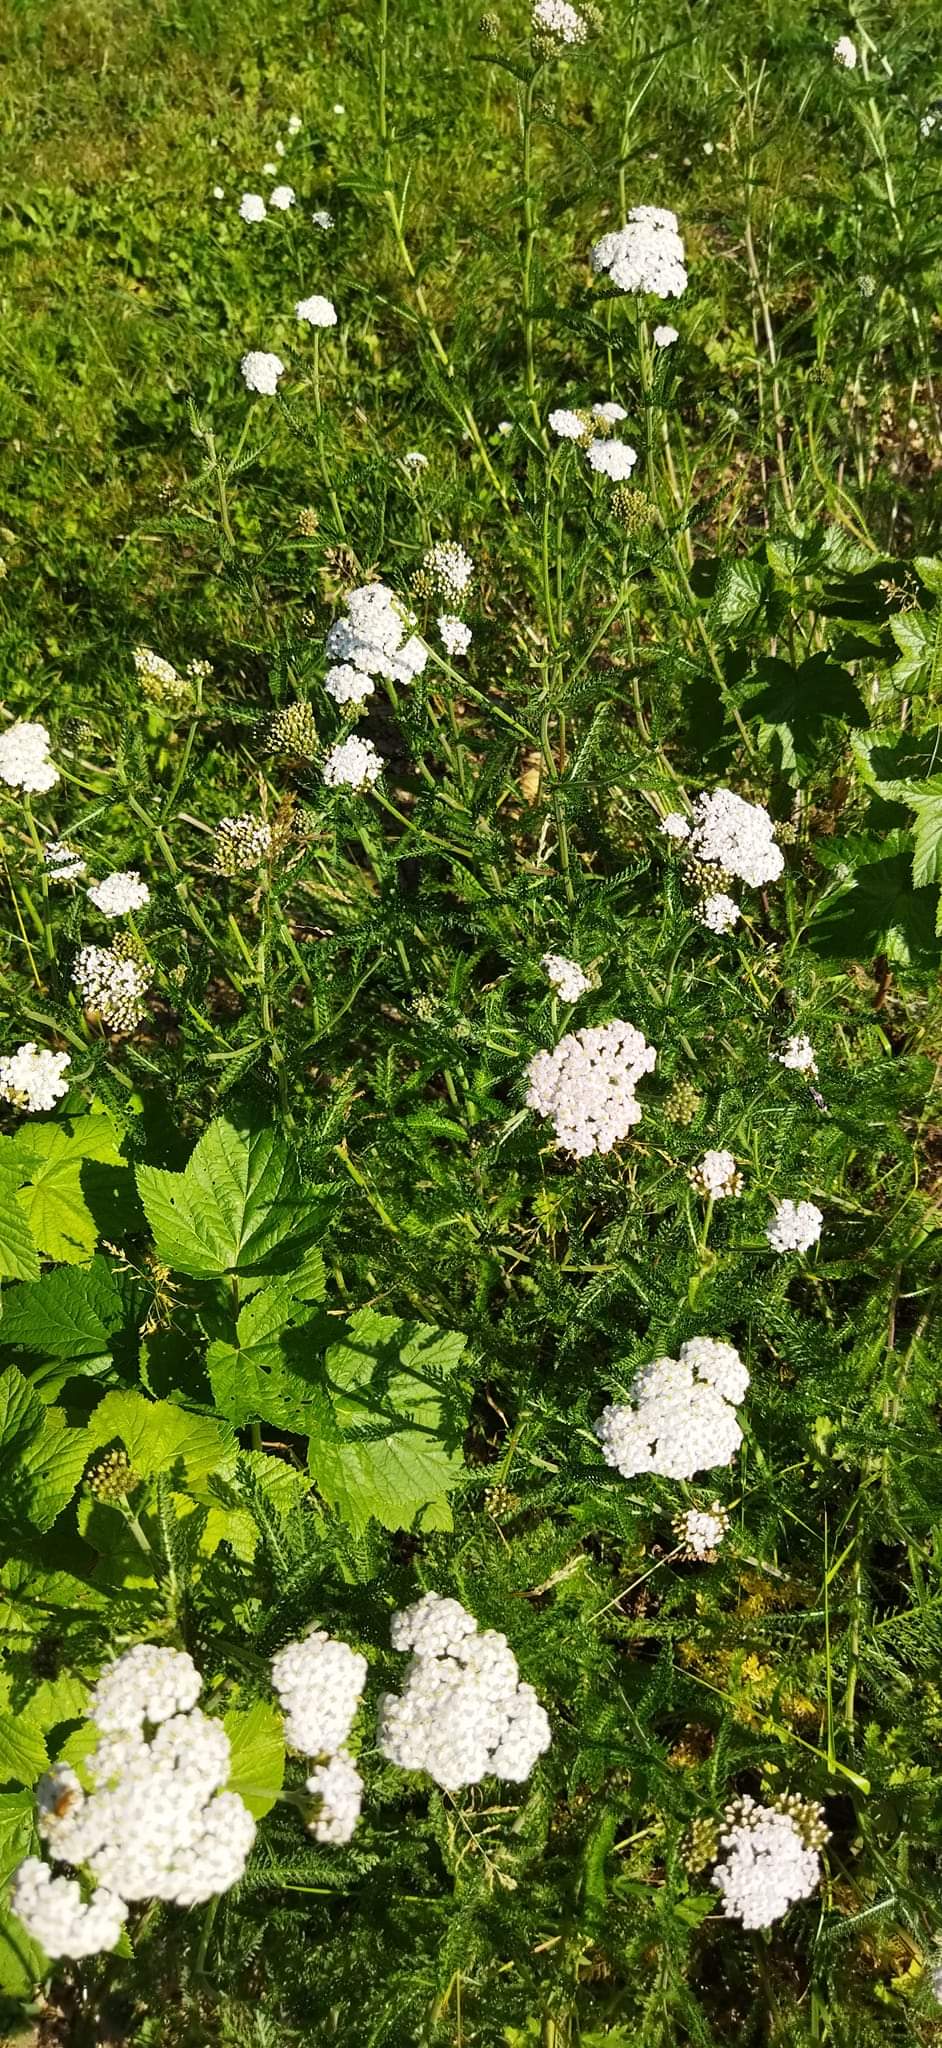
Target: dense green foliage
{"points": [[295, 1245]]}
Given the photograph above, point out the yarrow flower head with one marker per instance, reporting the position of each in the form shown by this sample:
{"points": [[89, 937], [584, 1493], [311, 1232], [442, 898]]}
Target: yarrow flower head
{"points": [[63, 863], [615, 459], [348, 685], [282, 198], [455, 635], [322, 219], [609, 413], [119, 893], [463, 1714], [54, 1913], [795, 1227], [149, 1683], [844, 53], [252, 206], [414, 459], [375, 639], [700, 1531], [353, 764], [718, 912], [24, 758], [448, 570], [338, 1788], [665, 337], [568, 425], [717, 1176], [317, 312], [770, 1859], [261, 371], [565, 976], [737, 836], [33, 1080], [159, 680], [556, 26], [683, 1414], [241, 844], [675, 826], [586, 1085], [112, 986], [646, 255], [798, 1054], [319, 1682]]}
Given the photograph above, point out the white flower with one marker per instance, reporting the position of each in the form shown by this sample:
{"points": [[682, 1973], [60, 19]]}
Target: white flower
{"points": [[463, 1713], [269, 170], [33, 1080], [24, 757], [295, 124], [798, 1054], [718, 912], [455, 635], [282, 197], [586, 1085], [767, 1864], [609, 413], [448, 568], [737, 836], [119, 893], [646, 255], [557, 21], [62, 861], [339, 1787], [717, 1176], [148, 1683], [615, 459], [353, 764], [112, 986], [565, 976], [262, 370], [279, 148], [505, 426], [319, 1682], [218, 192], [54, 1914], [665, 337], [415, 459], [322, 219], [317, 312], [252, 206], [338, 107], [845, 53], [929, 122], [795, 1227], [700, 1531], [569, 426], [683, 1418], [348, 685], [675, 826]]}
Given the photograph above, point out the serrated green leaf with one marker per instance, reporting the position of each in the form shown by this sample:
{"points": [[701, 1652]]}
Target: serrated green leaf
{"points": [[70, 1313], [41, 1462], [399, 1423], [75, 1184], [162, 1440], [927, 840], [23, 1753], [260, 1376], [19, 1259], [258, 1755], [17, 1831], [237, 1206]]}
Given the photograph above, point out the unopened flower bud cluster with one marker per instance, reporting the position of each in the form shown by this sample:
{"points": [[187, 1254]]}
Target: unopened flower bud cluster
{"points": [[586, 1086], [682, 1418], [463, 1713], [159, 680], [241, 844]]}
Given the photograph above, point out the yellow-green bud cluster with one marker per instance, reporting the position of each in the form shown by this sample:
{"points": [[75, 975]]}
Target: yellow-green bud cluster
{"points": [[291, 731], [113, 1478]]}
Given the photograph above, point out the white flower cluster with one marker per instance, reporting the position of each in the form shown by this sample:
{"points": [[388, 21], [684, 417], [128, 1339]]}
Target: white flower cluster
{"points": [[319, 1682], [568, 425], [609, 413], [375, 638], [565, 976], [700, 1531], [675, 826], [683, 1417], [844, 53], [261, 370], [717, 1176], [317, 312], [33, 1080], [463, 1713], [158, 1823], [112, 985], [555, 21], [338, 1786], [449, 569], [646, 255], [119, 893], [614, 459], [160, 681], [795, 1227], [665, 337], [62, 862], [322, 219], [767, 1866], [352, 764], [282, 198], [586, 1085], [252, 206], [54, 1914], [718, 912], [735, 835], [24, 757], [455, 635], [798, 1054]]}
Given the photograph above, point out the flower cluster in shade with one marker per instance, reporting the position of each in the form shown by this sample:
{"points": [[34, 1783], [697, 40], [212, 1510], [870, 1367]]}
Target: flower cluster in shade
{"points": [[63, 863], [646, 255], [795, 1227], [463, 1713], [565, 976], [158, 1824], [586, 1085], [112, 986], [33, 1080], [682, 1414], [798, 1054], [24, 758], [844, 52], [319, 1682], [770, 1859]]}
